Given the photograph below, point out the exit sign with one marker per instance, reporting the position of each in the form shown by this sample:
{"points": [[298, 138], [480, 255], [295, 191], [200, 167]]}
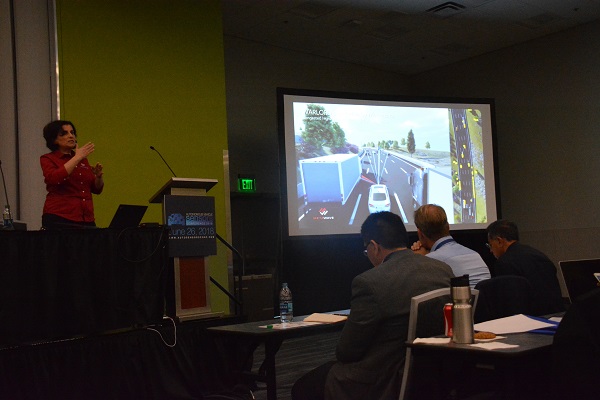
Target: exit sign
{"points": [[246, 184]]}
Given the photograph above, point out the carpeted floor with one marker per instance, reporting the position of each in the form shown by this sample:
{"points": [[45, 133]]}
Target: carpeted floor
{"points": [[295, 358]]}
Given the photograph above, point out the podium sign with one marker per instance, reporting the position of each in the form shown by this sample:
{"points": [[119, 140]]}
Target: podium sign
{"points": [[190, 216], [191, 221]]}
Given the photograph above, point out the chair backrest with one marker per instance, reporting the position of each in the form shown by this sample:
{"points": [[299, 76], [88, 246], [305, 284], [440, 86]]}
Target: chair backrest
{"points": [[426, 312], [427, 319], [503, 296]]}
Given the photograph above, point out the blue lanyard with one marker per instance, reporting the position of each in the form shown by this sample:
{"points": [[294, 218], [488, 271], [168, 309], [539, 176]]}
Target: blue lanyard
{"points": [[445, 242]]}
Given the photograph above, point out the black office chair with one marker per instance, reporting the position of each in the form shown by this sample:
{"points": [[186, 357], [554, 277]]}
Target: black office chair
{"points": [[576, 349], [503, 296]]}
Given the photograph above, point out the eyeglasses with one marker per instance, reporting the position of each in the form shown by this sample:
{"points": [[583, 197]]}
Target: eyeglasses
{"points": [[488, 246], [366, 250]]}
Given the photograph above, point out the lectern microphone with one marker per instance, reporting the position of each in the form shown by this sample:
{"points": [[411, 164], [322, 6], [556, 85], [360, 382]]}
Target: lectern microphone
{"points": [[165, 161]]}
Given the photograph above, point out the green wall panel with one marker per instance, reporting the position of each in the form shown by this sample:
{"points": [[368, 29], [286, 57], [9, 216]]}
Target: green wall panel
{"points": [[140, 73]]}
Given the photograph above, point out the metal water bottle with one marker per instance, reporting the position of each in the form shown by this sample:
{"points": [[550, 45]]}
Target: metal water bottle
{"points": [[286, 307], [462, 311]]}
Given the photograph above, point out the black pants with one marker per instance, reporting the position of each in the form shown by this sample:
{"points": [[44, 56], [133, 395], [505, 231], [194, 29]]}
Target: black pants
{"points": [[311, 386], [51, 221]]}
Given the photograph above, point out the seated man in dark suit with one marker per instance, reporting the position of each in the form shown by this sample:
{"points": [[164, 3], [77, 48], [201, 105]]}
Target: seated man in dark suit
{"points": [[371, 352], [514, 258]]}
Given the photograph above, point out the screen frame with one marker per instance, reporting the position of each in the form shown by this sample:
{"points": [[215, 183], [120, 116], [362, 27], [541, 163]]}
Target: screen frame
{"points": [[282, 92]]}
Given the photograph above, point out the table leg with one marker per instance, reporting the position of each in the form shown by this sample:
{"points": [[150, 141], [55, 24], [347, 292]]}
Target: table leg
{"points": [[268, 367]]}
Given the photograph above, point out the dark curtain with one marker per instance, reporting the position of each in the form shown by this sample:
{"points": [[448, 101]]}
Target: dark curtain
{"points": [[137, 364], [61, 284]]}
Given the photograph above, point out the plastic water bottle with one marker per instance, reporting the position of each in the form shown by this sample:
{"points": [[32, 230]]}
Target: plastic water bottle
{"points": [[7, 218], [286, 308]]}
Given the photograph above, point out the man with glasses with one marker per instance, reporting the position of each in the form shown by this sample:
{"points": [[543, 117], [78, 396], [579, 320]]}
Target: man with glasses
{"points": [[371, 351], [514, 258]]}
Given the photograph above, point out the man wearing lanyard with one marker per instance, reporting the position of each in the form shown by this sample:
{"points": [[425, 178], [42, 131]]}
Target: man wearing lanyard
{"points": [[435, 242]]}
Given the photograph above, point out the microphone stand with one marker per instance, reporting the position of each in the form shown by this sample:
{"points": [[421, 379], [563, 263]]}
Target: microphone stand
{"points": [[165, 161], [10, 226], [240, 271]]}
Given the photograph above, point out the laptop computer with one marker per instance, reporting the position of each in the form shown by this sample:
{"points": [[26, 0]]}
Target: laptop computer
{"points": [[127, 216], [580, 276]]}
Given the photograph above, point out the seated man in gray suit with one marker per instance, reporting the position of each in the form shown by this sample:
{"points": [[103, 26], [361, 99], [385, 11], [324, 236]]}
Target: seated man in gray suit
{"points": [[371, 351]]}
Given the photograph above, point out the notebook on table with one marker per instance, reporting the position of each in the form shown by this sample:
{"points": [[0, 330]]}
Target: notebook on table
{"points": [[127, 216], [580, 276]]}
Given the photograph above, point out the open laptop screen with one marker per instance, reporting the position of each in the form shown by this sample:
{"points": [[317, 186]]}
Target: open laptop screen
{"points": [[127, 216], [580, 276]]}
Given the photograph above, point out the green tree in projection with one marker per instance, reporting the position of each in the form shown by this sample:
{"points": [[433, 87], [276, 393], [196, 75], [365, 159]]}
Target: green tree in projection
{"points": [[410, 143], [383, 144], [403, 142], [338, 136], [395, 145], [320, 130], [427, 145]]}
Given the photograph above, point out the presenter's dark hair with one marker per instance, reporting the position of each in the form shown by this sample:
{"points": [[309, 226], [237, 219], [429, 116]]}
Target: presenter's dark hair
{"points": [[52, 130], [503, 229], [386, 229]]}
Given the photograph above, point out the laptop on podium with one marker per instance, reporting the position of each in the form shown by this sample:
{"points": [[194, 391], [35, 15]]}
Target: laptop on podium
{"points": [[127, 216]]}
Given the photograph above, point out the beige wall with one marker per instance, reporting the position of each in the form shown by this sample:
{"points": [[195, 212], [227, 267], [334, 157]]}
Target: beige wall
{"points": [[547, 119], [26, 95], [253, 72]]}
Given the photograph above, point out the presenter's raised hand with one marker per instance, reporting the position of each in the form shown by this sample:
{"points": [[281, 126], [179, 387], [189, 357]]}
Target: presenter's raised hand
{"points": [[97, 170], [84, 151]]}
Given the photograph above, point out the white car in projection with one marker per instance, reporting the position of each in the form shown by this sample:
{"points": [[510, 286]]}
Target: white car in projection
{"points": [[379, 199]]}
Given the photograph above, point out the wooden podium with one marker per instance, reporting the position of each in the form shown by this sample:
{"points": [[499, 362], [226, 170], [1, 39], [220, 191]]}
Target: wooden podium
{"points": [[188, 287]]}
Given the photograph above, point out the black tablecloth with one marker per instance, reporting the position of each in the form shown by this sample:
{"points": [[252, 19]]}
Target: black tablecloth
{"points": [[60, 284]]}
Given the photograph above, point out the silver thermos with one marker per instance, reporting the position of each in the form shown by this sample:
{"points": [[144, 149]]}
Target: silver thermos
{"points": [[462, 311]]}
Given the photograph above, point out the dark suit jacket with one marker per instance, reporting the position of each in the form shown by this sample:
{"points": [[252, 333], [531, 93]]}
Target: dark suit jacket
{"points": [[539, 270], [372, 348]]}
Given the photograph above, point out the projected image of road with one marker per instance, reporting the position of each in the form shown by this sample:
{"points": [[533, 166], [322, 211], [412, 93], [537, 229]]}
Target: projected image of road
{"points": [[353, 160], [385, 181]]}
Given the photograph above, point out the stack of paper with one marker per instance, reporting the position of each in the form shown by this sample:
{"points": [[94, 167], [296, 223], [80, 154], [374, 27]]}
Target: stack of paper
{"points": [[325, 318], [513, 324]]}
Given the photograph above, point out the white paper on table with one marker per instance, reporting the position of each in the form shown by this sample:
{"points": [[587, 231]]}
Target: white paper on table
{"points": [[513, 324], [325, 318], [494, 345], [288, 325], [432, 340]]}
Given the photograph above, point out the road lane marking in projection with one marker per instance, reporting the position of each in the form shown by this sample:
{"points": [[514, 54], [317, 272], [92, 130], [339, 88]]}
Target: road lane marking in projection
{"points": [[364, 178], [401, 209], [355, 209], [386, 171], [302, 216], [403, 170]]}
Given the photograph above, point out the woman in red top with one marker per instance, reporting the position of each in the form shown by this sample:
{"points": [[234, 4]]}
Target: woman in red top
{"points": [[69, 178]]}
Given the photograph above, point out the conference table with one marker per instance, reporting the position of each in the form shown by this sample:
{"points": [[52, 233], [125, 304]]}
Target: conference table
{"points": [[518, 372], [239, 341]]}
